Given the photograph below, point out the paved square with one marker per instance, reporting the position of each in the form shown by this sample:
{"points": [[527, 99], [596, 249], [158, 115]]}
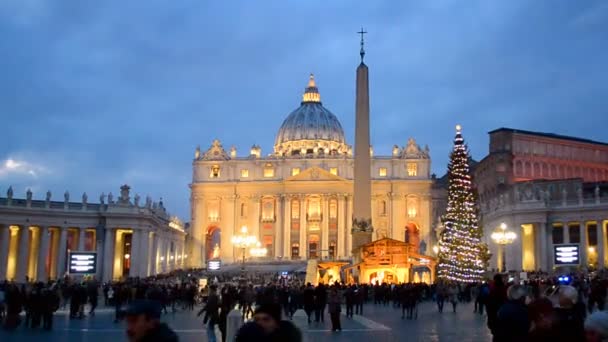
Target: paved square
{"points": [[379, 323]]}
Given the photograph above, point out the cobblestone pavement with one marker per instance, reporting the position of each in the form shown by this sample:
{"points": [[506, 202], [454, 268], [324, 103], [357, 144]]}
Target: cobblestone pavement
{"points": [[379, 323]]}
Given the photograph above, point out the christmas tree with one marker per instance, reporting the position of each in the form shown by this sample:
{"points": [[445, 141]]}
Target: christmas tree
{"points": [[462, 254]]}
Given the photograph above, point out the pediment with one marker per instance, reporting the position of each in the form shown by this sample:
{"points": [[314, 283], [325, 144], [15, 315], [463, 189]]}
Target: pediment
{"points": [[315, 174]]}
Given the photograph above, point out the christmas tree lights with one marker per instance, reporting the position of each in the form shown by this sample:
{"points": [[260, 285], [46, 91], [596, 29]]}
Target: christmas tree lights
{"points": [[462, 254]]}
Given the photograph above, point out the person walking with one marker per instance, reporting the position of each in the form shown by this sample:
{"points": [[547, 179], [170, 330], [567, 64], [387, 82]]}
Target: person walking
{"points": [[320, 302], [334, 308], [453, 295], [440, 295], [211, 310], [512, 320], [309, 301], [349, 297]]}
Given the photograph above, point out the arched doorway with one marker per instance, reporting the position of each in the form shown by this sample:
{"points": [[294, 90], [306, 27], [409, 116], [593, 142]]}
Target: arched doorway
{"points": [[213, 243], [412, 235], [421, 274]]}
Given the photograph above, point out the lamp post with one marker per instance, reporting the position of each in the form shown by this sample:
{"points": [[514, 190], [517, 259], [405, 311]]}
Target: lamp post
{"points": [[243, 241], [503, 237]]}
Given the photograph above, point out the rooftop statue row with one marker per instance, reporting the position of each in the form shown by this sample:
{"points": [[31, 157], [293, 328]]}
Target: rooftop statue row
{"points": [[123, 200], [217, 152]]}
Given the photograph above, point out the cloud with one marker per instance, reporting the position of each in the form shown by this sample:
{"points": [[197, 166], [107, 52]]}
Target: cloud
{"points": [[16, 168]]}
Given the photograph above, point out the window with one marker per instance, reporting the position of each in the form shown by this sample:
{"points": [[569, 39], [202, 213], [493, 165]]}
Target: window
{"points": [[382, 208], [295, 209], [244, 173], [295, 171], [412, 169], [313, 244], [333, 171], [332, 250], [268, 171], [215, 171], [382, 172], [295, 250]]}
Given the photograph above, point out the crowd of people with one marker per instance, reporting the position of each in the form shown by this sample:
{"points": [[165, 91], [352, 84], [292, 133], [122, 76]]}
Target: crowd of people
{"points": [[541, 308]]}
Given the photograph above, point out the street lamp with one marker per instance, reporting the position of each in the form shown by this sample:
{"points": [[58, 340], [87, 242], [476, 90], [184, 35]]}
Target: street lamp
{"points": [[503, 237], [258, 251], [243, 241]]}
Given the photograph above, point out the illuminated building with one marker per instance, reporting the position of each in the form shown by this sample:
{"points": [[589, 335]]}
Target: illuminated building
{"points": [[131, 239]]}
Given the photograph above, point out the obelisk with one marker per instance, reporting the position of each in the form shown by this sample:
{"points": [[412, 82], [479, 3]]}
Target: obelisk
{"points": [[362, 214]]}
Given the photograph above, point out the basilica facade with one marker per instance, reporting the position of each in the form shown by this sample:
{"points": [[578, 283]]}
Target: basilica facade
{"points": [[298, 200]]}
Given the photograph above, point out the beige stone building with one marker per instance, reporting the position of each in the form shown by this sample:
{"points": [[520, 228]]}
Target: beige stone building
{"points": [[297, 201], [131, 239]]}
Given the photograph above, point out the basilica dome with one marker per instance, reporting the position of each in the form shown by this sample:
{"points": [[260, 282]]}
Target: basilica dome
{"points": [[311, 130]]}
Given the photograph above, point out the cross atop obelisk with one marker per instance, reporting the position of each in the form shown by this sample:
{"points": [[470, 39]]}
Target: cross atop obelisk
{"points": [[362, 207], [362, 52]]}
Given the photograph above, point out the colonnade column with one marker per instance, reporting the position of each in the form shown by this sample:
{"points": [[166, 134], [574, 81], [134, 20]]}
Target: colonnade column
{"points": [[341, 228], [81, 237], [43, 253], [544, 265], [582, 226], [325, 228], [23, 252], [63, 246], [287, 227], [601, 242], [566, 231], [136, 262], [257, 217], [108, 255], [303, 229], [5, 239], [154, 256], [144, 252]]}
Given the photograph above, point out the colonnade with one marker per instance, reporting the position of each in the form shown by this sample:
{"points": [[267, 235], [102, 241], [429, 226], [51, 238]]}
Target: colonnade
{"points": [[39, 252], [533, 247]]}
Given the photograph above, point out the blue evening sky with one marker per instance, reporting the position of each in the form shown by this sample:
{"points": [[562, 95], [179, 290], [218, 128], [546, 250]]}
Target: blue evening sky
{"points": [[95, 94]]}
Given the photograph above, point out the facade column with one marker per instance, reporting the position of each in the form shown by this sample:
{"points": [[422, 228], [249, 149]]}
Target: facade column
{"points": [[228, 215], [5, 239], [136, 261], [394, 212], [340, 253], [45, 239], [349, 223], [287, 227], [108, 255], [23, 252], [566, 231], [279, 233], [257, 217], [81, 237], [303, 230], [325, 228], [198, 234]]}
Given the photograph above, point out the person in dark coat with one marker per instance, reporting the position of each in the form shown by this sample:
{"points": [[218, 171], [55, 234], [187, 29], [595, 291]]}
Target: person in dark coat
{"points": [[211, 310], [309, 300], [50, 304], [569, 320], [92, 295], [349, 298], [512, 319], [496, 298], [143, 323], [267, 326], [334, 308], [320, 302]]}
